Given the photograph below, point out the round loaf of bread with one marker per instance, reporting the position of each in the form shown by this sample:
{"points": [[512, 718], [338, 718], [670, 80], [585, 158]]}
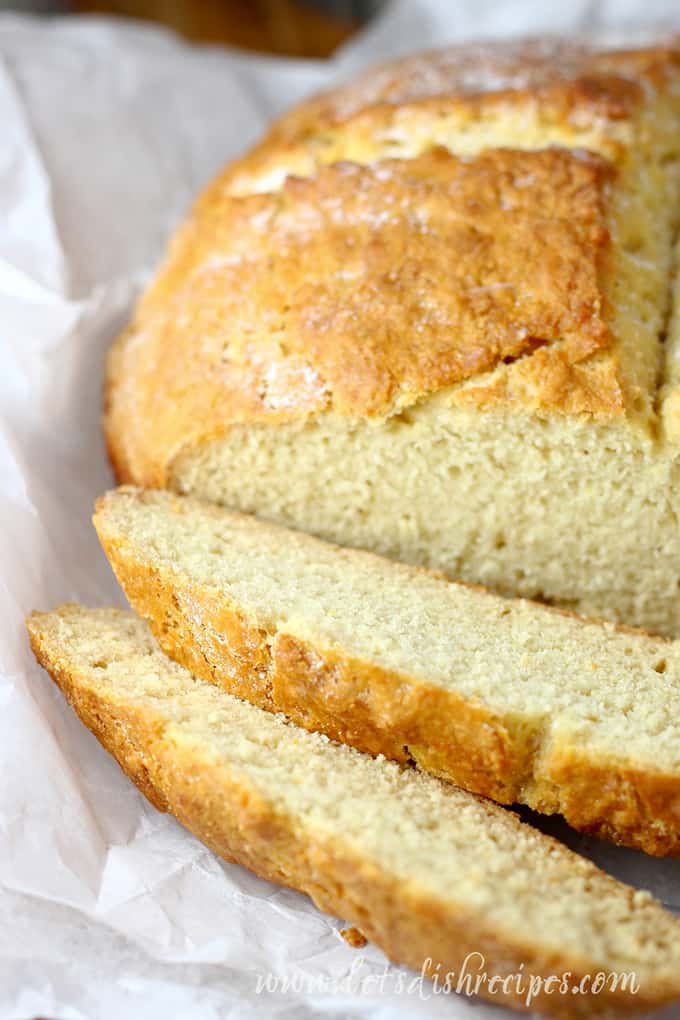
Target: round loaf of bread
{"points": [[431, 314]]}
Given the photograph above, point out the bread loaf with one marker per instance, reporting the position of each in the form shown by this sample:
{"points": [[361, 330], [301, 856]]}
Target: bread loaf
{"points": [[506, 698], [431, 315], [428, 872]]}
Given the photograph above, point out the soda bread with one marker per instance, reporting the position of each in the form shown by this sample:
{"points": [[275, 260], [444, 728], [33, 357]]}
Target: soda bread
{"points": [[431, 315], [427, 871], [507, 698]]}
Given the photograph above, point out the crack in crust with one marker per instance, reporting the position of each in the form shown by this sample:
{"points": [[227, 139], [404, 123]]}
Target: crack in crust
{"points": [[570, 87], [376, 281], [365, 289]]}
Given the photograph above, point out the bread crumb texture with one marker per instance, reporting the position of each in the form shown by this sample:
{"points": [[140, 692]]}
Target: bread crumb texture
{"points": [[507, 698], [431, 314], [422, 868], [354, 938]]}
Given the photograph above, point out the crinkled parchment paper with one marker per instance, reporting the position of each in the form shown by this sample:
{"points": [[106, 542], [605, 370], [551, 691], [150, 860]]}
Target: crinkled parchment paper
{"points": [[109, 910]]}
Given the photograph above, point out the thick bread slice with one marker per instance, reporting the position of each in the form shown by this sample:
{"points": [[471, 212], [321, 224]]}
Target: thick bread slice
{"points": [[426, 870], [506, 698]]}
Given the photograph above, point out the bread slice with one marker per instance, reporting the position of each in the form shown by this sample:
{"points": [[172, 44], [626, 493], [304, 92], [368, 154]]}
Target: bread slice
{"points": [[506, 698], [429, 316], [430, 873]]}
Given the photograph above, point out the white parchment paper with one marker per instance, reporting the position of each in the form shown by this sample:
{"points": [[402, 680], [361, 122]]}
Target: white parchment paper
{"points": [[108, 909]]}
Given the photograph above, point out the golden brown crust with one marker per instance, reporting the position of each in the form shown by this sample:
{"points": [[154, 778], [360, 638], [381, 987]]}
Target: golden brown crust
{"points": [[232, 818], [553, 71], [574, 87], [337, 295], [117, 735], [366, 289], [501, 756]]}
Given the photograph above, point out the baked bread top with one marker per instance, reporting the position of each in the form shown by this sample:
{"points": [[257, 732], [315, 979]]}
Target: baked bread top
{"points": [[526, 93], [492, 227]]}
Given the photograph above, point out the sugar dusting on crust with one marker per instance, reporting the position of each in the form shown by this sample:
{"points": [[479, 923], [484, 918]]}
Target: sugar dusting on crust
{"points": [[484, 68], [365, 288]]}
